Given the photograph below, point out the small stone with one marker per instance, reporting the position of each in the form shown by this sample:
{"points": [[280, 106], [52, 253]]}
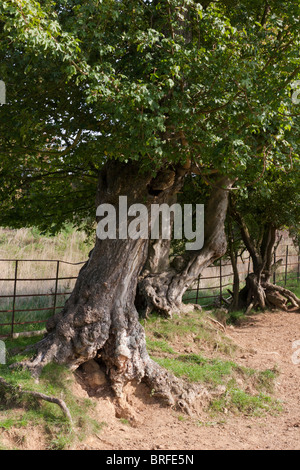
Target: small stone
{"points": [[94, 376]]}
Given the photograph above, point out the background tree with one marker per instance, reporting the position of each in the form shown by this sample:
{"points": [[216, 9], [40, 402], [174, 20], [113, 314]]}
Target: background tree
{"points": [[127, 98], [260, 212]]}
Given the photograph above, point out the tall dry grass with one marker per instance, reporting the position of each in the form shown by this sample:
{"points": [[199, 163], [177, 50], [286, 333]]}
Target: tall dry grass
{"points": [[28, 244], [69, 245]]}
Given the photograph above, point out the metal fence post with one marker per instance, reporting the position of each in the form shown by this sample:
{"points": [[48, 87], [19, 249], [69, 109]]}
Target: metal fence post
{"points": [[14, 298], [274, 273], [56, 287], [221, 284], [197, 292], [286, 264]]}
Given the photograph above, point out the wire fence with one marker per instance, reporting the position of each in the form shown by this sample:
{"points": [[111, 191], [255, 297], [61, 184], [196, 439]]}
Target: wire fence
{"points": [[31, 290]]}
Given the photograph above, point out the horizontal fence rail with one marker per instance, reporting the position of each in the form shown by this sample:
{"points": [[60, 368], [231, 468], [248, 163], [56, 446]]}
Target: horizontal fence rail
{"points": [[35, 307], [26, 302]]}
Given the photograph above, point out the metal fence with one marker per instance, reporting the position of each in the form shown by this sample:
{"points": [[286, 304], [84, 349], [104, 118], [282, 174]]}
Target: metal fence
{"points": [[213, 289], [26, 302]]}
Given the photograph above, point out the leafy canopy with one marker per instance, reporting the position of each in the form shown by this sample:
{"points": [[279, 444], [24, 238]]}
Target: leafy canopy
{"points": [[160, 82]]}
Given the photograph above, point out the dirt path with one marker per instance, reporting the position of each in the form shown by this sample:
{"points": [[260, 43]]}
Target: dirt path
{"points": [[267, 342]]}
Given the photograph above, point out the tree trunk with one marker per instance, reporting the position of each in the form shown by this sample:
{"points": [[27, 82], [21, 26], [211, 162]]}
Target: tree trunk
{"points": [[236, 277], [99, 319], [163, 290]]}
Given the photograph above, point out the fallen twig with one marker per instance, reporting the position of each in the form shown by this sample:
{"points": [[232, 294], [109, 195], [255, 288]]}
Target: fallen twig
{"points": [[217, 322], [40, 396]]}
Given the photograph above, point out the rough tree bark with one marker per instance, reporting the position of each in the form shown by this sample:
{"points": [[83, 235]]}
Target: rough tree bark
{"points": [[163, 289], [99, 319]]}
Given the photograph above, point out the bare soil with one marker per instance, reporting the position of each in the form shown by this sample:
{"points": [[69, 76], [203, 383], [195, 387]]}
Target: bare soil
{"points": [[265, 342], [142, 423]]}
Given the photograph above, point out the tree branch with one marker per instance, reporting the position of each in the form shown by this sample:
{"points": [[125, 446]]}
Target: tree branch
{"points": [[41, 396]]}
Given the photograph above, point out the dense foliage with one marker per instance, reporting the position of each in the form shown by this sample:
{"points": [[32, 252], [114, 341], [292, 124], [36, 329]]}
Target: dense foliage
{"points": [[160, 82]]}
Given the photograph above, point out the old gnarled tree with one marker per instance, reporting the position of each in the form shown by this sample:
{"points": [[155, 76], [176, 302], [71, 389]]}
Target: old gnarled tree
{"points": [[126, 99]]}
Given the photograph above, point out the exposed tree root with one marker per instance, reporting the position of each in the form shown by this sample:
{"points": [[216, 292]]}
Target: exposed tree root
{"points": [[40, 396], [46, 351], [281, 297], [174, 392], [216, 322], [260, 294]]}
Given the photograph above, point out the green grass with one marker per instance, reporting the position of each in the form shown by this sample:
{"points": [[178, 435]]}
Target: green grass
{"points": [[196, 368], [167, 329], [125, 421], [159, 346], [238, 401], [32, 304], [193, 327], [214, 372], [208, 424], [236, 318], [266, 379], [13, 422], [20, 410]]}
